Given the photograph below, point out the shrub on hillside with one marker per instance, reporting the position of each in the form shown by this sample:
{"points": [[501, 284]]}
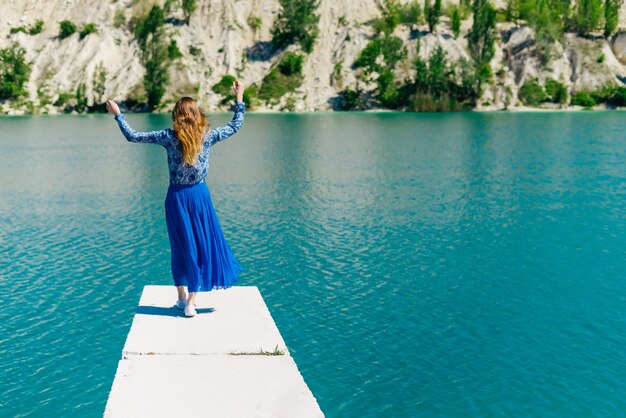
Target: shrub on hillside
{"points": [[119, 19], [291, 64], [67, 28], [548, 18], [611, 94], [250, 96], [173, 52], [37, 28], [393, 14], [589, 16], [189, 6], [255, 23], [150, 24], [556, 92], [284, 78], [583, 98], [87, 29], [352, 99], [225, 87], [532, 93], [63, 99]]}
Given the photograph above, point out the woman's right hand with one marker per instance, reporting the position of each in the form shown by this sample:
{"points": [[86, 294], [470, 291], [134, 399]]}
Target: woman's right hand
{"points": [[112, 107], [238, 89]]}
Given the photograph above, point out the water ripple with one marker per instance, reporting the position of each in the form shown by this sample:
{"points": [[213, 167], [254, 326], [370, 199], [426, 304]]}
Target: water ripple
{"points": [[416, 265]]}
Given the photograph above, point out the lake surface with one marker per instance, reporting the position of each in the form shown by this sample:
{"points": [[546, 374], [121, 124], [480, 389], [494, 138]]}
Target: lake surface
{"points": [[417, 265]]}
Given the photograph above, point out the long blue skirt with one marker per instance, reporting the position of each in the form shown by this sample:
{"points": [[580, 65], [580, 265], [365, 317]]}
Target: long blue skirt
{"points": [[201, 257]]}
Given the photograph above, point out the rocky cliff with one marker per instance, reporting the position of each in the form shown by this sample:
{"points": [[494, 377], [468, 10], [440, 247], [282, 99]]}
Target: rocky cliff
{"points": [[223, 41]]}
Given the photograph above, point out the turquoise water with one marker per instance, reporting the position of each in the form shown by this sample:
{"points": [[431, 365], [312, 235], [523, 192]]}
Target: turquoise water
{"points": [[416, 265]]}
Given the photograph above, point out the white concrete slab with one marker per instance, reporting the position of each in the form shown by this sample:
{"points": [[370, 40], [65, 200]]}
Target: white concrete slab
{"points": [[223, 386], [173, 366], [227, 320]]}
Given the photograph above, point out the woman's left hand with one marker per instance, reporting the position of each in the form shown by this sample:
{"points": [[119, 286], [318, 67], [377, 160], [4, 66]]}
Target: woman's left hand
{"points": [[112, 107], [238, 89]]}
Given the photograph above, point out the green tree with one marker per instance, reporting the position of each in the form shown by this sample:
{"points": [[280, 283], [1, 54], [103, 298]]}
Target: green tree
{"points": [[154, 54], [611, 16], [432, 13], [442, 86], [149, 25], [433, 20], [156, 77], [99, 83], [81, 98], [296, 22], [482, 36], [464, 8], [167, 6], [546, 17], [189, 6], [427, 9], [14, 72], [435, 75], [411, 13], [390, 48], [391, 15], [511, 12], [455, 21], [380, 57], [589, 16]]}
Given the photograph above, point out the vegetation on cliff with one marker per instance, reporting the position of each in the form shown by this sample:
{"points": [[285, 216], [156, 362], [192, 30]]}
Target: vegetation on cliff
{"points": [[14, 72], [442, 85], [296, 22], [155, 54], [414, 55]]}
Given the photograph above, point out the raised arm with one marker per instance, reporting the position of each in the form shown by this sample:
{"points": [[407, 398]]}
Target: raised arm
{"points": [[131, 135], [222, 132], [151, 137]]}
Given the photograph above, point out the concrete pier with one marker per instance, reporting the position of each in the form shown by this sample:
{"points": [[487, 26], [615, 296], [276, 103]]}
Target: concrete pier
{"points": [[215, 364]]}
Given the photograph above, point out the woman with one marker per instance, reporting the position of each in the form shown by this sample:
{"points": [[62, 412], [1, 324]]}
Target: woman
{"points": [[201, 257]]}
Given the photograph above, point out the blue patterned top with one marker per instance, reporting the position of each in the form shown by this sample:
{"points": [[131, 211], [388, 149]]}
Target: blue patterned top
{"points": [[181, 173]]}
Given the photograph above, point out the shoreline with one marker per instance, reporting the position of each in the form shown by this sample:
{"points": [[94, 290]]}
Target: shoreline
{"points": [[265, 111]]}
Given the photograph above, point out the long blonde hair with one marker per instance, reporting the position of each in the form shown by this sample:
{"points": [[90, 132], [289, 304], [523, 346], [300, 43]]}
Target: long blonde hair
{"points": [[189, 125]]}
